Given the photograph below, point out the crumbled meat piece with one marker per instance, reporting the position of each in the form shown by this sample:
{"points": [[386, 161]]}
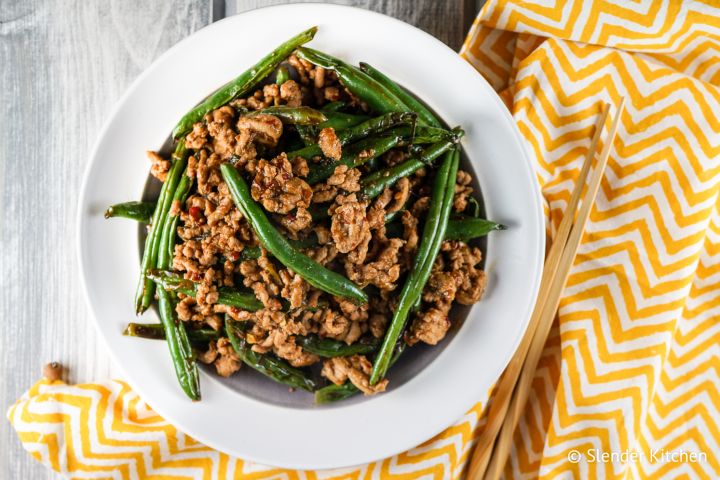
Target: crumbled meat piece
{"points": [[260, 276], [410, 231], [297, 221], [429, 327], [214, 321], [256, 101], [291, 93], [265, 129], [462, 191], [323, 255], [383, 272], [219, 127], [184, 309], [330, 143], [274, 331], [302, 67], [349, 224], [300, 167], [393, 157], [376, 213], [332, 94], [356, 369], [466, 261], [323, 193], [159, 166], [271, 92], [174, 208], [319, 77], [276, 187], [347, 328], [228, 362], [210, 355], [420, 206], [294, 288], [345, 178], [353, 311], [441, 286], [323, 234], [206, 293], [333, 325], [197, 138], [402, 193], [378, 324]]}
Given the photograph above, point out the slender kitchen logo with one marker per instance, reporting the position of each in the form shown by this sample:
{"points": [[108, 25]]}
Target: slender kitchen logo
{"points": [[658, 455]]}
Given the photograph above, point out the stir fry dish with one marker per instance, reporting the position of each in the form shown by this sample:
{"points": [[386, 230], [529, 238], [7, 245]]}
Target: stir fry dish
{"points": [[313, 223]]}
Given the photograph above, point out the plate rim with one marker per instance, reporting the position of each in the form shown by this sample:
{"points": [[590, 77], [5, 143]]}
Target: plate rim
{"points": [[82, 227]]}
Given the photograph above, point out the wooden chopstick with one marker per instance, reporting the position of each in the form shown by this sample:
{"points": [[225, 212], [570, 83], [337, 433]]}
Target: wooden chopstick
{"points": [[503, 391], [500, 403], [522, 390]]}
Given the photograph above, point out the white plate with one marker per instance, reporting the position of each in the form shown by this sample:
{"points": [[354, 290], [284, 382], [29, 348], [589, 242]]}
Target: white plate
{"points": [[351, 433]]}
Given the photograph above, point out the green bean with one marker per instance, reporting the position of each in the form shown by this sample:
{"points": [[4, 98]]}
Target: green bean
{"points": [[167, 238], [333, 107], [410, 101], [311, 271], [328, 348], [424, 134], [358, 154], [293, 115], [249, 253], [282, 75], [226, 295], [338, 121], [341, 121], [146, 287], [242, 84], [334, 393], [270, 366], [155, 331], [362, 130], [465, 229], [367, 89], [138, 211], [433, 232], [307, 135], [459, 228], [178, 342], [375, 183], [476, 207]]}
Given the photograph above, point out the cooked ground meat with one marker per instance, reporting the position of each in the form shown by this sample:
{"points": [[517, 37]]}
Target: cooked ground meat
{"points": [[337, 226], [159, 167], [277, 188], [330, 143], [463, 191], [356, 369], [349, 223], [227, 361], [345, 178]]}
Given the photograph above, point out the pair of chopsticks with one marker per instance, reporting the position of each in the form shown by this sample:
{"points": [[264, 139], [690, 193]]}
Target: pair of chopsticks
{"points": [[513, 389]]}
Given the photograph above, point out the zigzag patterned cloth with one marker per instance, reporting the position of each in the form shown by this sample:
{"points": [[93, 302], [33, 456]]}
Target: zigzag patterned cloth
{"points": [[629, 384]]}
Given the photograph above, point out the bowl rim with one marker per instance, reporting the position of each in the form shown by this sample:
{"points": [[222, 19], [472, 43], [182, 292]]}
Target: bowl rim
{"points": [[431, 426]]}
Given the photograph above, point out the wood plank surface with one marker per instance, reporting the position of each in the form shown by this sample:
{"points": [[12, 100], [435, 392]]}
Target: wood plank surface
{"points": [[64, 65]]}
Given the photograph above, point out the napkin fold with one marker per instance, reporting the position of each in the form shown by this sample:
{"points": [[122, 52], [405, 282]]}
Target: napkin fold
{"points": [[629, 383]]}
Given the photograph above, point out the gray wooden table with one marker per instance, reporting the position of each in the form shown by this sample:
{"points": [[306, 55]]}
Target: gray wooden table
{"points": [[63, 64]]}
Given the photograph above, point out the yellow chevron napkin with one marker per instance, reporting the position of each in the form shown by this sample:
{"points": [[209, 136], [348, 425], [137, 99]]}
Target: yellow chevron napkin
{"points": [[629, 385]]}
